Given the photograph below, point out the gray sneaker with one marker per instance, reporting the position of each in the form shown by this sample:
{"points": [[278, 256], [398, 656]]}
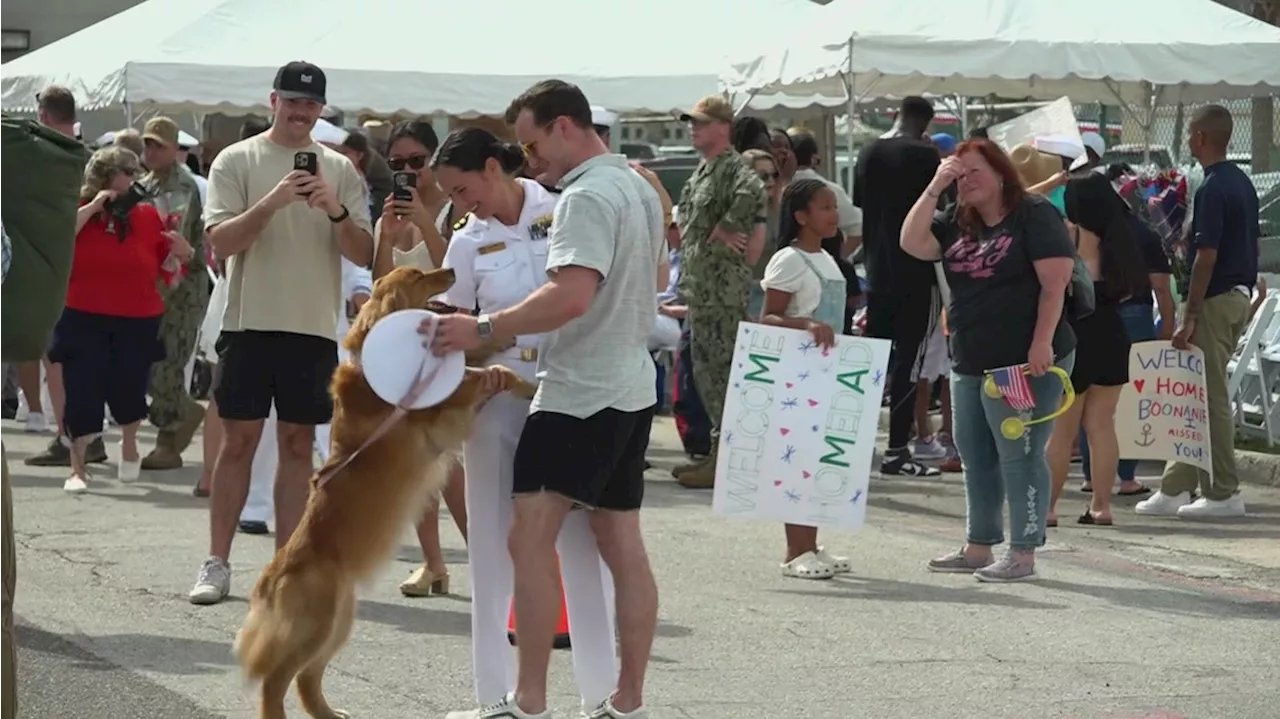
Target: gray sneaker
{"points": [[1008, 569], [956, 562]]}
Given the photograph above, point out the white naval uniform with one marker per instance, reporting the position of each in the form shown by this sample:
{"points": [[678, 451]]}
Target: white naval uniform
{"points": [[497, 267], [356, 280]]}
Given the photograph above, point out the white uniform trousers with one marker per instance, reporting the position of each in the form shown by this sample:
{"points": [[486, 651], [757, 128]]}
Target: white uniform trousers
{"points": [[588, 584], [260, 505]]}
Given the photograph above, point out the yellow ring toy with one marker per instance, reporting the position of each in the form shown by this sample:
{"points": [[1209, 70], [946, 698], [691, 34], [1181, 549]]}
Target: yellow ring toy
{"points": [[1015, 427]]}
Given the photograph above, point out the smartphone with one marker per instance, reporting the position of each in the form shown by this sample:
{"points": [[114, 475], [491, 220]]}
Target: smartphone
{"points": [[307, 162], [401, 182]]}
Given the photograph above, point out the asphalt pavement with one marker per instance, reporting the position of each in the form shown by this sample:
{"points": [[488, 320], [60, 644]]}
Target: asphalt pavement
{"points": [[1150, 619]]}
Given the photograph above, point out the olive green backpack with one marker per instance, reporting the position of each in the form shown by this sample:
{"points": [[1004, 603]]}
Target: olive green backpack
{"points": [[41, 172]]}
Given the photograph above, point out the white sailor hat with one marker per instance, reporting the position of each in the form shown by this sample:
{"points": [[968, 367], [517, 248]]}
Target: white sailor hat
{"points": [[602, 117]]}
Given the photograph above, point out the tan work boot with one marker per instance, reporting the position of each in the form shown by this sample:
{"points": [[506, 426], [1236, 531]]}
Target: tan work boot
{"points": [[687, 467], [165, 455], [702, 476], [192, 416]]}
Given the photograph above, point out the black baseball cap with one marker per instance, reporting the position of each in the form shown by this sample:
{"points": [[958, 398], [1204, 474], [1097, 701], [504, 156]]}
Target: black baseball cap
{"points": [[300, 81]]}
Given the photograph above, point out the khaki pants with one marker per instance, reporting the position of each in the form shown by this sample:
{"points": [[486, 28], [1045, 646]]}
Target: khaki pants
{"points": [[1217, 332], [9, 686]]}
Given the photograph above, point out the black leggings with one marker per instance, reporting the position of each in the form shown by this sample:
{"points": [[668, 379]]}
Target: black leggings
{"points": [[906, 320], [105, 361]]}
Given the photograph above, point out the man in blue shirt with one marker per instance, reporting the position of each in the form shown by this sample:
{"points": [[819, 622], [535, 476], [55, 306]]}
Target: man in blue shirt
{"points": [[1223, 254]]}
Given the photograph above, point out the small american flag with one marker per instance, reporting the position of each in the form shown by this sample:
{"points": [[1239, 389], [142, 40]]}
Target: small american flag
{"points": [[1012, 383]]}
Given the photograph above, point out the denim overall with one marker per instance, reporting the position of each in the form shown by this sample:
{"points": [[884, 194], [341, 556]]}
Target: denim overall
{"points": [[830, 310]]}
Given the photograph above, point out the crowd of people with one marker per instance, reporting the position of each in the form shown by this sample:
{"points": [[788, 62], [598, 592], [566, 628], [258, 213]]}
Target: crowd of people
{"points": [[976, 260]]}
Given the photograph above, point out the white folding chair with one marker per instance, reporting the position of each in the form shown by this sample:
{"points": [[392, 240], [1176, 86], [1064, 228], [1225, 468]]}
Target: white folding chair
{"points": [[1254, 381]]}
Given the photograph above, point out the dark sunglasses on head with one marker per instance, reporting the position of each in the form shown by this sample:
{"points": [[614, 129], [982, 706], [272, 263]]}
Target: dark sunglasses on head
{"points": [[413, 162], [766, 176]]}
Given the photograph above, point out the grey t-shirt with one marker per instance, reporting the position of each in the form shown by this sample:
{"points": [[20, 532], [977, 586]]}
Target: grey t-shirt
{"points": [[609, 219]]}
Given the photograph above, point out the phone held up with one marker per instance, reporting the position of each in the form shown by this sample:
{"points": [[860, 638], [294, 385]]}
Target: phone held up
{"points": [[307, 162], [400, 183], [127, 200]]}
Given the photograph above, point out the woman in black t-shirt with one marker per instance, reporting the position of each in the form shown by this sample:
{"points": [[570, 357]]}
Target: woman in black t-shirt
{"points": [[1008, 261], [1098, 221]]}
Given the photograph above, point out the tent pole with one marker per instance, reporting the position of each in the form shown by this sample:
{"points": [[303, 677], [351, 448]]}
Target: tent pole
{"points": [[851, 121]]}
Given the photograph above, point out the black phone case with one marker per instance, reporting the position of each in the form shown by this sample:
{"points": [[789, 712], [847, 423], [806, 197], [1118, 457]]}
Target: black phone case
{"points": [[307, 161], [401, 182]]}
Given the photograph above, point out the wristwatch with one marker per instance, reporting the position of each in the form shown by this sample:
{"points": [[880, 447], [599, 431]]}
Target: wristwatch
{"points": [[341, 216], [485, 327]]}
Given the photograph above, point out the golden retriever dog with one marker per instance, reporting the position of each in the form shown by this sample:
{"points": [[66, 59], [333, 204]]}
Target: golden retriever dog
{"points": [[304, 604]]}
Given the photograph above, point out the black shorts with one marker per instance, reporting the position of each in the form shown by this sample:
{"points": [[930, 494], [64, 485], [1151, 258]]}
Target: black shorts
{"points": [[1102, 350], [597, 462], [290, 369]]}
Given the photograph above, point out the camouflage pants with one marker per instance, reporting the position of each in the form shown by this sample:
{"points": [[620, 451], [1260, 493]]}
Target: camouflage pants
{"points": [[179, 328], [713, 330]]}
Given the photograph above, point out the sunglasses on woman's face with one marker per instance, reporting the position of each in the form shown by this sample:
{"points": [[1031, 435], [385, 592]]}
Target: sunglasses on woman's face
{"points": [[130, 171], [768, 176], [413, 162]]}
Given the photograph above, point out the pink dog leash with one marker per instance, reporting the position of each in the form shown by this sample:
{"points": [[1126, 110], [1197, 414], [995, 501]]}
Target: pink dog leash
{"points": [[402, 409]]}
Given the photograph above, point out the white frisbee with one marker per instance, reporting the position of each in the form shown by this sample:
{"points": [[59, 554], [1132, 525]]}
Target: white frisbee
{"points": [[393, 355]]}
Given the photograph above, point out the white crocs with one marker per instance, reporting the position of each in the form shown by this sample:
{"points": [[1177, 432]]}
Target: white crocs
{"points": [[808, 566], [839, 565]]}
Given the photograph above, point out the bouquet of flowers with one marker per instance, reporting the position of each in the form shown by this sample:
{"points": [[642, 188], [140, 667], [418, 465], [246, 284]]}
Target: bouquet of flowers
{"points": [[1160, 200]]}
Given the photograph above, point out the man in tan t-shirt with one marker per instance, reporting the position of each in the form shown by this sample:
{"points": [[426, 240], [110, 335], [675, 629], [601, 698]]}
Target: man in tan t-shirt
{"points": [[282, 232]]}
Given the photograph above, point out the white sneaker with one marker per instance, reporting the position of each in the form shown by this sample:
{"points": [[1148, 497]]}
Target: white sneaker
{"points": [[1214, 508], [606, 710], [35, 422], [505, 709], [1163, 505], [75, 485], [929, 448], [127, 471], [24, 409], [213, 584]]}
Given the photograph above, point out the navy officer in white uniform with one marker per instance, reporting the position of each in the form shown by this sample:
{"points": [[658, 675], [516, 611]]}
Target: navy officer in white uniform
{"points": [[499, 254]]}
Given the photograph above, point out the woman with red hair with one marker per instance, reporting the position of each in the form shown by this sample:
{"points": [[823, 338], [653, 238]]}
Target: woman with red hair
{"points": [[1008, 260]]}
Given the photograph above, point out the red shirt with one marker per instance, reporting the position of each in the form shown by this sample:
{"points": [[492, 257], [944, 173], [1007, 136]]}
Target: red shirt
{"points": [[120, 278]]}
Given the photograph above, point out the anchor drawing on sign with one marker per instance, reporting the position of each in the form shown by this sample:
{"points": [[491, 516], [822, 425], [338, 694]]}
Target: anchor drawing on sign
{"points": [[1147, 440]]}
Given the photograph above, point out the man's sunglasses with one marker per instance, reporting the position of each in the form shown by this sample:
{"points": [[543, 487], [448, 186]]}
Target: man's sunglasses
{"points": [[413, 162]]}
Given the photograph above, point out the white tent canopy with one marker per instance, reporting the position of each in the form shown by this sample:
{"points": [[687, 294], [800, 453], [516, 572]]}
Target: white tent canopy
{"points": [[1090, 50], [384, 56]]}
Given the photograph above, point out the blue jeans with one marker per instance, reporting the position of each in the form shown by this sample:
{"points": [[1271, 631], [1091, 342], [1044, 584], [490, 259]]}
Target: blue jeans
{"points": [[1140, 321], [998, 469]]}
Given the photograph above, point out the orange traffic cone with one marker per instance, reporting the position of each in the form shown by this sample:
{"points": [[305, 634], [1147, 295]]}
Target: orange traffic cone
{"points": [[562, 625]]}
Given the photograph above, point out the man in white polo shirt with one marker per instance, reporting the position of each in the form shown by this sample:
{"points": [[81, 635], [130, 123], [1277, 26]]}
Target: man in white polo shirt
{"points": [[584, 442], [282, 232]]}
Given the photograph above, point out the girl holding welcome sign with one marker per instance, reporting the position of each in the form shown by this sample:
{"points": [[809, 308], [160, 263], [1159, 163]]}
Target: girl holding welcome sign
{"points": [[805, 290]]}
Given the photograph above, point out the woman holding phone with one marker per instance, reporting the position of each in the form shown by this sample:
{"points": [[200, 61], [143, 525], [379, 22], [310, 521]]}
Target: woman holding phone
{"points": [[108, 335], [408, 234]]}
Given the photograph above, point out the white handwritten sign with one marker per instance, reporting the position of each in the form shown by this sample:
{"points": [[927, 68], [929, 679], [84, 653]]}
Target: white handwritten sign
{"points": [[1056, 118], [799, 428], [1163, 412]]}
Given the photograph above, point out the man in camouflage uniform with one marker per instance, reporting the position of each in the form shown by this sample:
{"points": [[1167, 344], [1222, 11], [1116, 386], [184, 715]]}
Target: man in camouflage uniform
{"points": [[177, 197], [720, 207]]}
